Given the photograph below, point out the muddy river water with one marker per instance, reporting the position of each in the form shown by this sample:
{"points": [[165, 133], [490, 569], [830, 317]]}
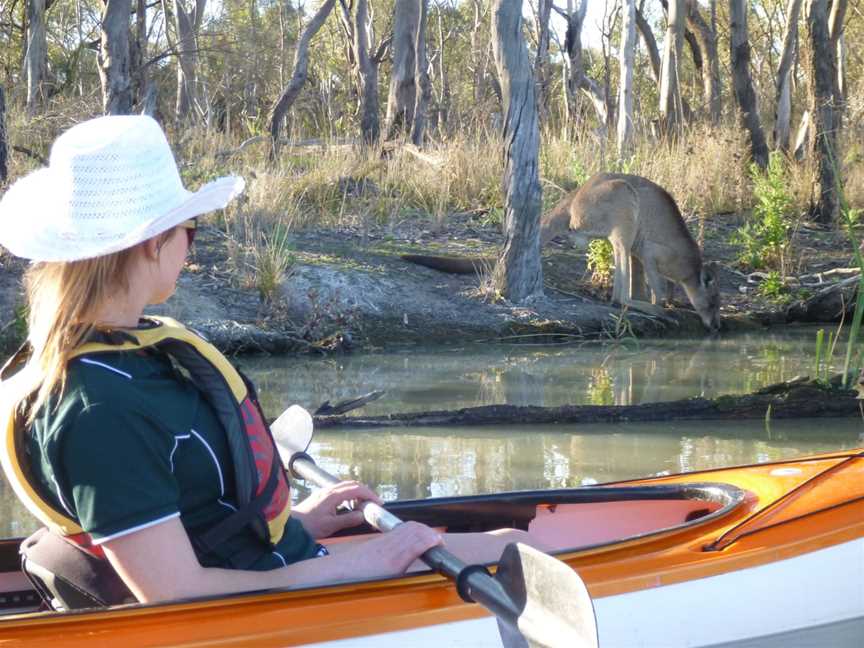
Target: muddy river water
{"points": [[427, 462]]}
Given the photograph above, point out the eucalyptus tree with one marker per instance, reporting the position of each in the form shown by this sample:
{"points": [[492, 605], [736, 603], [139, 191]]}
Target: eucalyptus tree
{"points": [[4, 171], [822, 69], [299, 74], [783, 99], [671, 112], [705, 34], [518, 273], [403, 85], [187, 23], [424, 84], [113, 57], [367, 58], [577, 78], [627, 54], [541, 60], [36, 51], [742, 82]]}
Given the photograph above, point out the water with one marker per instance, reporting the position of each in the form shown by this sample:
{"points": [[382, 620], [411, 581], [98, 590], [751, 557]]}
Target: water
{"points": [[423, 462]]}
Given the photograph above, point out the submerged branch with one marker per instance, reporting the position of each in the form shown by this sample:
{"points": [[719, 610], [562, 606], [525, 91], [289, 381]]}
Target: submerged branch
{"points": [[800, 397]]}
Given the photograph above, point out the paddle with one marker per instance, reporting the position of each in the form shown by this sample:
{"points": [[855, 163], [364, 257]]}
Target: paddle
{"points": [[539, 601]]}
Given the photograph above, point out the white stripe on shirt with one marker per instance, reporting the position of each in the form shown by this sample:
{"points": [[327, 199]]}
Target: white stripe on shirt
{"points": [[106, 366], [215, 461], [139, 527], [177, 439]]}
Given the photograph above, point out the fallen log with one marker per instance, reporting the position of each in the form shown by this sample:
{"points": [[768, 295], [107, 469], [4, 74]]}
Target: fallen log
{"points": [[797, 398]]}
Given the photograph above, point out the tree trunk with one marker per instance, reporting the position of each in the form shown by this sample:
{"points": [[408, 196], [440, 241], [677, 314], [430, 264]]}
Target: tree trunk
{"points": [[519, 275], [402, 98], [836, 26], [578, 79], [36, 52], [783, 114], [4, 171], [670, 92], [370, 125], [822, 71], [541, 62], [444, 101], [138, 53], [739, 55], [114, 58], [424, 96], [299, 74], [625, 94], [187, 60], [650, 45], [711, 81]]}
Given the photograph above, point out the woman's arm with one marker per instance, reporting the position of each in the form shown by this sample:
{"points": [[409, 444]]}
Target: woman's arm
{"points": [[158, 563]]}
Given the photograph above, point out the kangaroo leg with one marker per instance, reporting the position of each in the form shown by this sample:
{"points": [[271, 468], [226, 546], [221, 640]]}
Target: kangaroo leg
{"points": [[638, 287], [621, 278], [658, 283]]}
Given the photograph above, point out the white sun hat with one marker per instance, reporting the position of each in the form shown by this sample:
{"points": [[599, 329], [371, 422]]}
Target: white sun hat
{"points": [[110, 184]]}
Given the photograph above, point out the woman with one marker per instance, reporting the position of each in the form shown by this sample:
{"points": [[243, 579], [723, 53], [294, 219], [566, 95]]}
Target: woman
{"points": [[122, 443]]}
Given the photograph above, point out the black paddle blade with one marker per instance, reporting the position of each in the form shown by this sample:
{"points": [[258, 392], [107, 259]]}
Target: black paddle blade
{"points": [[556, 610]]}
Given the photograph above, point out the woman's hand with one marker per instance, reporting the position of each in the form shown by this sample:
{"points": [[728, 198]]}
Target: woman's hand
{"points": [[392, 553], [318, 513]]}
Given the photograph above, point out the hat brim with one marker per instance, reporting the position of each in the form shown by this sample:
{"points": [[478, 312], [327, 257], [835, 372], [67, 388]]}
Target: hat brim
{"points": [[42, 237]]}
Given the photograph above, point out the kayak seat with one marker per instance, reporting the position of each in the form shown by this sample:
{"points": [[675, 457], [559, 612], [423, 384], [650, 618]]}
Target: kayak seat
{"points": [[67, 577]]}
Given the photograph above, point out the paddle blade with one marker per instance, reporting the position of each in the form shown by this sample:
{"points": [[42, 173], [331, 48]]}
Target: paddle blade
{"points": [[292, 431], [556, 610]]}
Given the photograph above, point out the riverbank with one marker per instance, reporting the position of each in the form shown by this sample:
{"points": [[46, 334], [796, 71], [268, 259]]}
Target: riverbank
{"points": [[347, 287]]}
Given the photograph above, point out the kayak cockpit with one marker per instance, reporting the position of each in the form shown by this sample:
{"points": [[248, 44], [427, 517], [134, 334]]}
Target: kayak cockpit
{"points": [[569, 519]]}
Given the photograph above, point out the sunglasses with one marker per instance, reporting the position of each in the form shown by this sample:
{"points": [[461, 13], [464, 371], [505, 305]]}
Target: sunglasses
{"points": [[191, 227]]}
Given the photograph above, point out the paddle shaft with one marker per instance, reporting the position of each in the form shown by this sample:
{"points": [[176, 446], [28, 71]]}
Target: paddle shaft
{"points": [[474, 582]]}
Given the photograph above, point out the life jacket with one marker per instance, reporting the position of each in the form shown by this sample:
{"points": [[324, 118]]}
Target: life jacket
{"points": [[261, 488]]}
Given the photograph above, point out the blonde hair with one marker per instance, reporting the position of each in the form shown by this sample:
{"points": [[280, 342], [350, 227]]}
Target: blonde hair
{"points": [[64, 300]]}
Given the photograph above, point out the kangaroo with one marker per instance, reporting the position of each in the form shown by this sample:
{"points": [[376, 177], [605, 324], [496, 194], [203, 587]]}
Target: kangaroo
{"points": [[650, 243]]}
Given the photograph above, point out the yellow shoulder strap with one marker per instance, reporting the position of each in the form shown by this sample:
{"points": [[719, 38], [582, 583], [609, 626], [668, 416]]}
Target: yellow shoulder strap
{"points": [[42, 510]]}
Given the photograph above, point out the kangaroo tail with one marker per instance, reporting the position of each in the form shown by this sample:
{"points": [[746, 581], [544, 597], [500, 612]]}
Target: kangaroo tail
{"points": [[452, 265]]}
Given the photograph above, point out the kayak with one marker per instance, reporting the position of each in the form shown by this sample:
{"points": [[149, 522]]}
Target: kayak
{"points": [[770, 554]]}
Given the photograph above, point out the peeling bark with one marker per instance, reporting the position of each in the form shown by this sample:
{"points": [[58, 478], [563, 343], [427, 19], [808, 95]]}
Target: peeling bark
{"points": [[519, 275]]}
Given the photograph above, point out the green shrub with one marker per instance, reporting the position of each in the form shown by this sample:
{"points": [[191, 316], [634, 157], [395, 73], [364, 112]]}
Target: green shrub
{"points": [[600, 261], [764, 241], [773, 288]]}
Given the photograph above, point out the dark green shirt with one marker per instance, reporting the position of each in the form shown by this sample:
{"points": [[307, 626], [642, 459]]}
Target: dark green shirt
{"points": [[133, 443]]}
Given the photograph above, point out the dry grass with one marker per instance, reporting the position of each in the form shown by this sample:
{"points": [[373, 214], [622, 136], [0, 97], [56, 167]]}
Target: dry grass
{"points": [[336, 185]]}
